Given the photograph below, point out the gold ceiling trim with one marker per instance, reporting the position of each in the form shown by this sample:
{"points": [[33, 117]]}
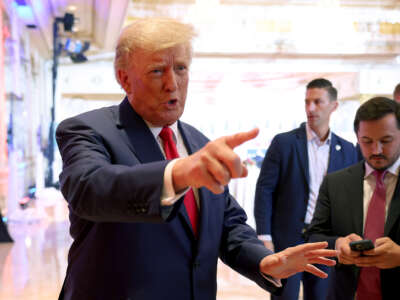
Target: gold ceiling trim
{"points": [[94, 96]]}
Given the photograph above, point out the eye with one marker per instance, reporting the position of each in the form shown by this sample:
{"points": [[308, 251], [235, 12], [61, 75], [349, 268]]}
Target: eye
{"points": [[156, 71], [366, 142], [180, 68], [386, 141]]}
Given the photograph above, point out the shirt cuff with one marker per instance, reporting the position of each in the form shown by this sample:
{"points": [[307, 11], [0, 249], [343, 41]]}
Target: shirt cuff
{"points": [[265, 237], [168, 193], [274, 281]]}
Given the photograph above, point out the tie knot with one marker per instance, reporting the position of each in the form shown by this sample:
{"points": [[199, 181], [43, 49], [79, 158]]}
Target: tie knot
{"points": [[379, 175], [166, 134], [169, 146]]}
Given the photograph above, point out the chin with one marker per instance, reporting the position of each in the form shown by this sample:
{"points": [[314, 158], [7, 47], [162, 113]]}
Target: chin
{"points": [[170, 121], [379, 167]]}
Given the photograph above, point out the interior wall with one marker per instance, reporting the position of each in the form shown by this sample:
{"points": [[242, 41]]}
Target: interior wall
{"points": [[227, 95]]}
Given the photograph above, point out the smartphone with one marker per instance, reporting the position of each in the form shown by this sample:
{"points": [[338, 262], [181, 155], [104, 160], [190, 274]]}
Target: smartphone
{"points": [[362, 245]]}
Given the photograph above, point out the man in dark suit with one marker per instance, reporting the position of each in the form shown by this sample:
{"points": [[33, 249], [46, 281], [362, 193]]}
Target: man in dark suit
{"points": [[347, 209], [149, 228], [290, 176]]}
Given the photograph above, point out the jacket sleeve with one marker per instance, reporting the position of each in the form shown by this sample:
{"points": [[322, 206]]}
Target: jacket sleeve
{"points": [[241, 249], [266, 186], [98, 189]]}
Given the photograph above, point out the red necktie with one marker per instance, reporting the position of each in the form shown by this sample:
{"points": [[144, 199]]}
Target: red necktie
{"points": [[369, 282], [166, 136]]}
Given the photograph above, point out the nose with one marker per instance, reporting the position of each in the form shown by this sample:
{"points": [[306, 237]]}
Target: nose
{"points": [[377, 148], [170, 81], [310, 106]]}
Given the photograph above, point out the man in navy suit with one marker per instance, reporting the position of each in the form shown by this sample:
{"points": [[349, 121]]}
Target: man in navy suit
{"points": [[289, 180], [135, 234], [346, 207]]}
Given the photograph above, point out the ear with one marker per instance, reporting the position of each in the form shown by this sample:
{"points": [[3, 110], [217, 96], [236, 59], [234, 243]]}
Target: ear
{"points": [[123, 79], [335, 105]]}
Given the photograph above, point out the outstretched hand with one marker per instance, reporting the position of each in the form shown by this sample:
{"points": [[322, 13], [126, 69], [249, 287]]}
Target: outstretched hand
{"points": [[214, 165], [298, 259]]}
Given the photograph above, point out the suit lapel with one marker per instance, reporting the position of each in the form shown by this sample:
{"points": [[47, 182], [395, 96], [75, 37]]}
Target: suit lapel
{"points": [[355, 188], [141, 141], [137, 134], [394, 210], [192, 145], [301, 146], [335, 154]]}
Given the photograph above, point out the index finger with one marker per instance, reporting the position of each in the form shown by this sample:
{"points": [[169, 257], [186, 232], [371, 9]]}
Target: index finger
{"points": [[237, 139], [313, 246]]}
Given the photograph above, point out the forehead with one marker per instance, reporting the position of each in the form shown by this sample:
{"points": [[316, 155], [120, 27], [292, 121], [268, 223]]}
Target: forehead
{"points": [[386, 126], [179, 53], [316, 93]]}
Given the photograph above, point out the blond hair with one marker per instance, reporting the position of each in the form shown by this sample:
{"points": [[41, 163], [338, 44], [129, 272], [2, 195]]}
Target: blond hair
{"points": [[151, 34]]}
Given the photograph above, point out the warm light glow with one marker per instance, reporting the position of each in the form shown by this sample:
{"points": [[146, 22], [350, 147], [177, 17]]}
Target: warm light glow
{"points": [[28, 242], [72, 8]]}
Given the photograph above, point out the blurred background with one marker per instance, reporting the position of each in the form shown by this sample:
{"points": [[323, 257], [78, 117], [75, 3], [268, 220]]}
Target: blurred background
{"points": [[252, 61]]}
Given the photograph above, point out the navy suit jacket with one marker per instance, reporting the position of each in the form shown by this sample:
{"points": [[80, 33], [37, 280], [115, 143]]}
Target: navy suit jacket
{"points": [[339, 212], [282, 189], [126, 245]]}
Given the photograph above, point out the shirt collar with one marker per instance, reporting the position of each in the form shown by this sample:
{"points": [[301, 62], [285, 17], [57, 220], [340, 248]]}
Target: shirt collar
{"points": [[311, 135], [155, 130], [393, 169]]}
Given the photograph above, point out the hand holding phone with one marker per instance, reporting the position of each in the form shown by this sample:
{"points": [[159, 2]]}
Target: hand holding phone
{"points": [[363, 245]]}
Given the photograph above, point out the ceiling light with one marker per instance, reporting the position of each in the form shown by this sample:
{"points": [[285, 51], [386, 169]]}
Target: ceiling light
{"points": [[72, 8]]}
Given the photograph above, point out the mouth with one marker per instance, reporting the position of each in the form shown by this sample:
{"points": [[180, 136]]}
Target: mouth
{"points": [[377, 158], [172, 102]]}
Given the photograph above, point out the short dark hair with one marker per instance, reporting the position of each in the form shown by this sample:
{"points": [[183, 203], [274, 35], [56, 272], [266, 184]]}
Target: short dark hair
{"points": [[376, 108], [322, 83], [396, 90]]}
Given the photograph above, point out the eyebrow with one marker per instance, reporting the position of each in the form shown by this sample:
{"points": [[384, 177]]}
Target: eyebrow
{"points": [[382, 137]]}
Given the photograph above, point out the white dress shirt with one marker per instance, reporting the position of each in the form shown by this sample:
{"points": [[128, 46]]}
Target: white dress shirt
{"points": [[390, 181], [318, 159]]}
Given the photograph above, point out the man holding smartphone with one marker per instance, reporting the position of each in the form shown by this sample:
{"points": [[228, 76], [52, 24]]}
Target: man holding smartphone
{"points": [[291, 174], [363, 202]]}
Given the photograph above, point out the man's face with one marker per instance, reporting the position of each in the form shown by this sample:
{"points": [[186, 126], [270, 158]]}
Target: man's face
{"points": [[318, 107], [156, 83], [379, 141]]}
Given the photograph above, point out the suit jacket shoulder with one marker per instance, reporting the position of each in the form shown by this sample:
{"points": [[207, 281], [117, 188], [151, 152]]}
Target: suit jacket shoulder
{"points": [[352, 171], [292, 135], [345, 144]]}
